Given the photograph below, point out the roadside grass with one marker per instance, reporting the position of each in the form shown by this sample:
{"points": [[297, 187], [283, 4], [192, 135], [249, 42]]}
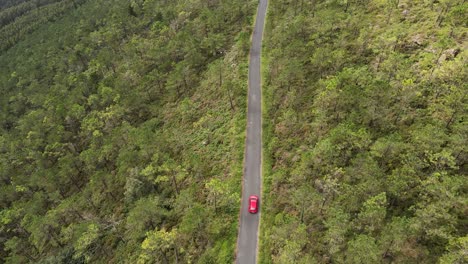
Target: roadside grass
{"points": [[267, 144]]}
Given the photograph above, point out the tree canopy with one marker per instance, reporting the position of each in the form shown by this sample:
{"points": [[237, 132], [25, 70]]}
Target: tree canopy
{"points": [[366, 132], [122, 130]]}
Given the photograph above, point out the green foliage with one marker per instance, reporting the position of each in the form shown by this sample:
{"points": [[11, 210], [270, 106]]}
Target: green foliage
{"points": [[85, 246], [372, 216], [362, 249], [365, 135], [156, 246], [18, 21], [456, 251], [121, 123]]}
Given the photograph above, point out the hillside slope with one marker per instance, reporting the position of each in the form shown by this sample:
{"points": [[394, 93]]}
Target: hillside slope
{"points": [[21, 17], [121, 134], [366, 158]]}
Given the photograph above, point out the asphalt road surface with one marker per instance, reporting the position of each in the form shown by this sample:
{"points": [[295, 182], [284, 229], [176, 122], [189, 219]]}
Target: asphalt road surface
{"points": [[248, 229]]}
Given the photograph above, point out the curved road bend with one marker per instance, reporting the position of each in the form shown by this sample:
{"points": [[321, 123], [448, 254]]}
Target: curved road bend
{"points": [[248, 228]]}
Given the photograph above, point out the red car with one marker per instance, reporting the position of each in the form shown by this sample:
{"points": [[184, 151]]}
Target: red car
{"points": [[253, 204]]}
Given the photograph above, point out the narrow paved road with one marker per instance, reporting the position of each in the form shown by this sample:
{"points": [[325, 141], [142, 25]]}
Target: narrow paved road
{"points": [[248, 228]]}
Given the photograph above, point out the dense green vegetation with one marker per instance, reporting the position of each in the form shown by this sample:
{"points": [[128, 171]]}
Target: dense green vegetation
{"points": [[366, 132], [17, 21], [122, 127], [8, 3], [121, 132]]}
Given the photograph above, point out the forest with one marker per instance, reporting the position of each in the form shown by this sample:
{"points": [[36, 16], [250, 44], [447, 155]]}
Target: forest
{"points": [[365, 132], [17, 21], [122, 129]]}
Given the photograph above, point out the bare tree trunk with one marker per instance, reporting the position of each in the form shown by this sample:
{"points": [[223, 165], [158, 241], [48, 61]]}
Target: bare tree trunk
{"points": [[166, 261], [176, 255], [174, 181], [230, 98]]}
